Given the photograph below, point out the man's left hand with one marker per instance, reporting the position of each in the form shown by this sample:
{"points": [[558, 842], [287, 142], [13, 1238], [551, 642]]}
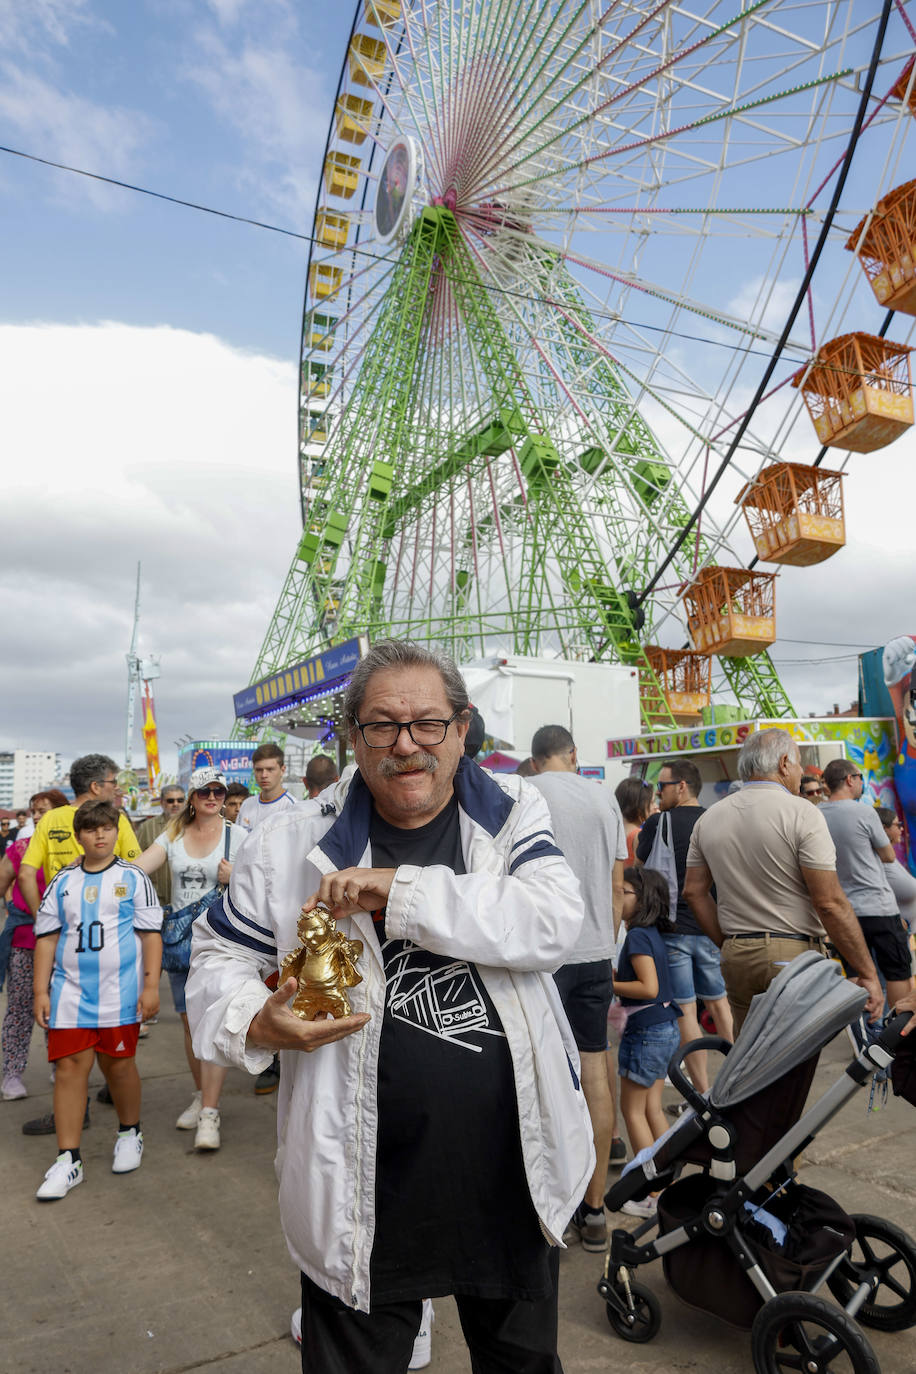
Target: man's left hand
{"points": [[874, 1007], [353, 889]]}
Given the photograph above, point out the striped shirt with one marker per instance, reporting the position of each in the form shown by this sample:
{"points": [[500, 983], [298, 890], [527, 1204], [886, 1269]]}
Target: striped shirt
{"points": [[97, 976]]}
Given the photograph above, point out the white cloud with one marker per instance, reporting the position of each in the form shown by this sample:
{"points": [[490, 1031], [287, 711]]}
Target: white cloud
{"points": [[127, 444], [65, 127], [30, 27], [255, 80]]}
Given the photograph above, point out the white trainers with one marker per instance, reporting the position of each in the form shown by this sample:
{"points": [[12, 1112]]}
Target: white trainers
{"points": [[645, 1209], [423, 1344], [295, 1326], [190, 1116], [207, 1137], [63, 1175], [12, 1087], [128, 1152]]}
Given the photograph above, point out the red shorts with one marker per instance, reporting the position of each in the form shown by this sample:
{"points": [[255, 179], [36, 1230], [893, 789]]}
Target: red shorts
{"points": [[118, 1042]]}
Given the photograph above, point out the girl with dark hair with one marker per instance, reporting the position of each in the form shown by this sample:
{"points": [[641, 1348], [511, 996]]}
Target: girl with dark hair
{"points": [[635, 799], [642, 983]]}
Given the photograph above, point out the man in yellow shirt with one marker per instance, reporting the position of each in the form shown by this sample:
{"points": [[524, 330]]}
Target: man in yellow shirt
{"points": [[94, 777], [54, 845]]}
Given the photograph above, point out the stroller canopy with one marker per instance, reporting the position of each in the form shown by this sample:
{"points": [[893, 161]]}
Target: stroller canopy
{"points": [[804, 1007]]}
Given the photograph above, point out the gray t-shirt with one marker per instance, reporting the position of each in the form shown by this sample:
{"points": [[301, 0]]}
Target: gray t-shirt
{"points": [[857, 834], [589, 829]]}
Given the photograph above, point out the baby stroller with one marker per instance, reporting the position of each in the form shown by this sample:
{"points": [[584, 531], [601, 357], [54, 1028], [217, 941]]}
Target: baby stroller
{"points": [[740, 1237]]}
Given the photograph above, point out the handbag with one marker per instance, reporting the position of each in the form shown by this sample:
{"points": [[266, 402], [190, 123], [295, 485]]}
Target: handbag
{"points": [[177, 925], [661, 858]]}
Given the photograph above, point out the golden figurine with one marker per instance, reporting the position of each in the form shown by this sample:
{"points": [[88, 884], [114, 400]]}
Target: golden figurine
{"points": [[324, 966]]}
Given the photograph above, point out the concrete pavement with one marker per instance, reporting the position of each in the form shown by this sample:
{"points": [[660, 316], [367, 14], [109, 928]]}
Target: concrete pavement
{"points": [[181, 1266]]}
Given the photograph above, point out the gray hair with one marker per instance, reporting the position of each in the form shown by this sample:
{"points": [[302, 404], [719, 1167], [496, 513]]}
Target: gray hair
{"points": [[403, 653], [89, 769], [761, 752]]}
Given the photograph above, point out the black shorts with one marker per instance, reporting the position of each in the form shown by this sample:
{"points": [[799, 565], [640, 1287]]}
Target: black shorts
{"points": [[888, 945], [586, 991]]}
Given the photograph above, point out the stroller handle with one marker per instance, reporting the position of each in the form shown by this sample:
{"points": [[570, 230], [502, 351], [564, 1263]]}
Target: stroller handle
{"points": [[891, 1035], [676, 1067]]}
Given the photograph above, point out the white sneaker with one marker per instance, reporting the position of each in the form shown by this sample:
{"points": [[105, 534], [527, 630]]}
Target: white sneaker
{"points": [[423, 1345], [190, 1116], [12, 1087], [645, 1209], [128, 1152], [63, 1175], [207, 1137], [295, 1326]]}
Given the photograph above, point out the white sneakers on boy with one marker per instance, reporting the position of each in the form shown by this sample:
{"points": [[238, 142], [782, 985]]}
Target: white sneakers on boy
{"points": [[190, 1116], [207, 1137], [128, 1152], [63, 1175]]}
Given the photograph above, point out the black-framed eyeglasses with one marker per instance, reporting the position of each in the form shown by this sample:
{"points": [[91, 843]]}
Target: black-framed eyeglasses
{"points": [[216, 792], [855, 775], [383, 734], [668, 782]]}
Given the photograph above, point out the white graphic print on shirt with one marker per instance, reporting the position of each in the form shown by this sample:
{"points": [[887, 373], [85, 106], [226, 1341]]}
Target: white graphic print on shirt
{"points": [[445, 1001]]}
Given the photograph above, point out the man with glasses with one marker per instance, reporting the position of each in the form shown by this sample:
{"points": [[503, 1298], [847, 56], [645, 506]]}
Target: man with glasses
{"points": [[864, 853], [94, 777], [171, 800], [693, 959], [442, 1143], [811, 789]]}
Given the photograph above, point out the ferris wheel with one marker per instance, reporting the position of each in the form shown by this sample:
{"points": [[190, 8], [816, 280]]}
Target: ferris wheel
{"points": [[554, 248]]}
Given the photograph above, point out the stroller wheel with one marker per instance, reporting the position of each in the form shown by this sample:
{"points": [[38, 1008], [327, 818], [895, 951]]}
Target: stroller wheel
{"points": [[801, 1332], [643, 1322], [882, 1250]]}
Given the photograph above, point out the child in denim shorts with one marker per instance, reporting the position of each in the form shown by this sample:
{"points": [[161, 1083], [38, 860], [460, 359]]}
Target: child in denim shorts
{"points": [[643, 984]]}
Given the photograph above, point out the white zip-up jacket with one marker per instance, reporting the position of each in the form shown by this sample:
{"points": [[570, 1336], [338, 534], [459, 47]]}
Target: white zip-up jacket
{"points": [[515, 914]]}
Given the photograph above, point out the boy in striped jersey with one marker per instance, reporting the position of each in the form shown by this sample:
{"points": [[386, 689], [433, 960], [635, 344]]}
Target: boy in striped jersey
{"points": [[97, 962]]}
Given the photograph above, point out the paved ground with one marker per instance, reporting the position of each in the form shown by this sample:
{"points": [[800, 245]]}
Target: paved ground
{"points": [[181, 1267]]}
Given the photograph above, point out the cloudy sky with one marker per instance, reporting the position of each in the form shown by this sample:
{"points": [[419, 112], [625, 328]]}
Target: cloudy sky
{"points": [[148, 358]]}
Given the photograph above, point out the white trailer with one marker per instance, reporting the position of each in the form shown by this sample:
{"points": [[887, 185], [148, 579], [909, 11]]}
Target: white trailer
{"points": [[594, 701]]}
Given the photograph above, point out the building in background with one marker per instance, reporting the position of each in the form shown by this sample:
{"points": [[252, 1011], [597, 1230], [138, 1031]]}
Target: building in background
{"points": [[24, 772]]}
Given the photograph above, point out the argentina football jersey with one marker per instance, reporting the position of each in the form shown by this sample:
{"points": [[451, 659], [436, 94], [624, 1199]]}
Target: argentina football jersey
{"points": [[97, 975]]}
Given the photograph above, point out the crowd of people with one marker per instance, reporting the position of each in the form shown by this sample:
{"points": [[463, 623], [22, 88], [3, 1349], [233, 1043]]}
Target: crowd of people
{"points": [[533, 950]]}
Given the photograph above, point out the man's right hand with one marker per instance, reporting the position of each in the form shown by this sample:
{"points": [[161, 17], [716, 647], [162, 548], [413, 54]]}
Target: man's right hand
{"points": [[276, 1027]]}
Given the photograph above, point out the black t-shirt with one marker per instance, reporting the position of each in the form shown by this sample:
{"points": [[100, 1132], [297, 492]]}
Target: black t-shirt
{"points": [[453, 1213], [681, 819]]}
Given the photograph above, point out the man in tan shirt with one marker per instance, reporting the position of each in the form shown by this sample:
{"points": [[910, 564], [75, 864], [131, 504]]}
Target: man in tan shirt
{"points": [[773, 863]]}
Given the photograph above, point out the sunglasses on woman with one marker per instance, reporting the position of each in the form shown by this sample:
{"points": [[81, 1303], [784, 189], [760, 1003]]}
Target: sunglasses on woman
{"points": [[218, 793]]}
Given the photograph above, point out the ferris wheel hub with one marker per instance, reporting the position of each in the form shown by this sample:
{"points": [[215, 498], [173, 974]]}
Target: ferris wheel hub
{"points": [[399, 181]]}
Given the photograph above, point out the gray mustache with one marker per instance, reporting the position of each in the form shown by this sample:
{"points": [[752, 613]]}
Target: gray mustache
{"points": [[389, 767]]}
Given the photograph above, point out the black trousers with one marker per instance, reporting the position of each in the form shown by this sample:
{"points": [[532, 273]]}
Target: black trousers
{"points": [[504, 1336]]}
